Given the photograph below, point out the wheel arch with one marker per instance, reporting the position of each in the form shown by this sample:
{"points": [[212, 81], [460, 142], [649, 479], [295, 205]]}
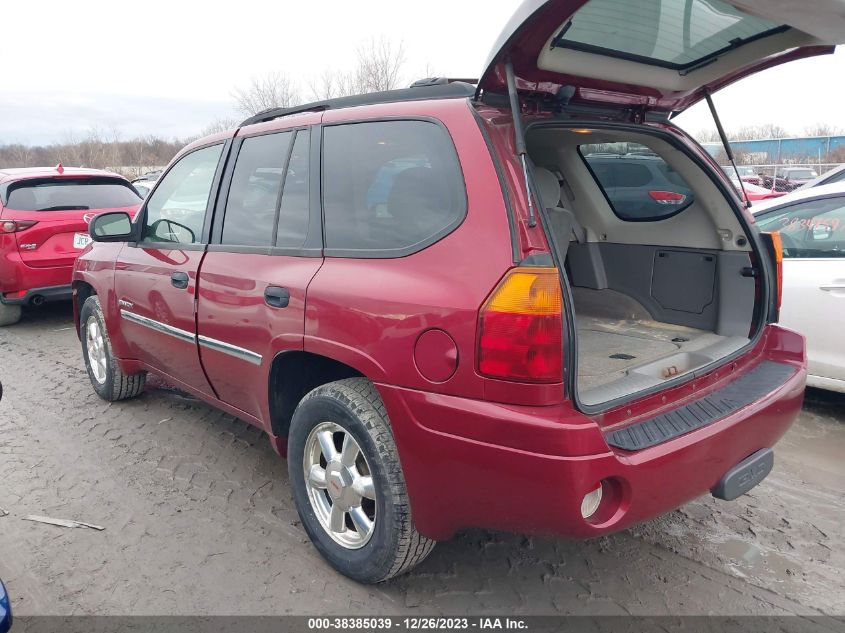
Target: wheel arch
{"points": [[295, 373], [82, 290]]}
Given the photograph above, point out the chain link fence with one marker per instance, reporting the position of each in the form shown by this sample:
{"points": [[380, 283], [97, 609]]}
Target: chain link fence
{"points": [[781, 178]]}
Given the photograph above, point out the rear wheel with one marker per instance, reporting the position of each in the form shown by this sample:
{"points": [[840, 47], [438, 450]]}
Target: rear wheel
{"points": [[348, 483], [105, 374], [9, 315]]}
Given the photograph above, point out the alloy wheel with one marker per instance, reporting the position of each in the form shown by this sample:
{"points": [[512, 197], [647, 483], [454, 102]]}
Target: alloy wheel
{"points": [[340, 485], [96, 349]]}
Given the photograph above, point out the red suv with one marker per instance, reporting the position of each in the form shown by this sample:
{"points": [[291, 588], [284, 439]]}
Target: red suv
{"points": [[434, 305], [44, 216]]}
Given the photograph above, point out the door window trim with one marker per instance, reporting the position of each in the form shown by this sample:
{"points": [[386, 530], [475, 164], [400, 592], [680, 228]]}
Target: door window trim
{"points": [[141, 218]]}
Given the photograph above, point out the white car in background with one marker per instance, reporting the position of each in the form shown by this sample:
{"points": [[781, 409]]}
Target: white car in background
{"points": [[811, 223]]}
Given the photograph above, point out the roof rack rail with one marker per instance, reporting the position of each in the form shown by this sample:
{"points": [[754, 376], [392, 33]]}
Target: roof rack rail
{"points": [[442, 89]]}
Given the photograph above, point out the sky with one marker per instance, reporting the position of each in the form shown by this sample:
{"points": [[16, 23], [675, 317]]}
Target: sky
{"points": [[168, 68]]}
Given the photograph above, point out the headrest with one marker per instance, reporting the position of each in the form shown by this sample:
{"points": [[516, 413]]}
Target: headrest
{"points": [[549, 187]]}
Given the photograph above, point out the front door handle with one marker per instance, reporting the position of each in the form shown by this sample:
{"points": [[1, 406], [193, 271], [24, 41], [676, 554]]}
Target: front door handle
{"points": [[832, 287], [276, 297], [179, 280]]}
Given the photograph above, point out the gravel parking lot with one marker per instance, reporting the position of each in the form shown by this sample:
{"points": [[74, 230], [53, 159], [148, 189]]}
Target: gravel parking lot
{"points": [[199, 519]]}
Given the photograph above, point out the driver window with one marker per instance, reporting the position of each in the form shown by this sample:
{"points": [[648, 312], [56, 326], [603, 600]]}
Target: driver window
{"points": [[814, 229], [176, 210]]}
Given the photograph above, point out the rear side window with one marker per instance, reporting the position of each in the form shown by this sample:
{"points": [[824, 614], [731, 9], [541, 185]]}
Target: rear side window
{"points": [[638, 184], [71, 194], [254, 194], [390, 188]]}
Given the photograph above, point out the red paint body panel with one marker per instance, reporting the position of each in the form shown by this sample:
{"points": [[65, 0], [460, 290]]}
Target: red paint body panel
{"points": [[142, 278], [519, 471], [232, 309]]}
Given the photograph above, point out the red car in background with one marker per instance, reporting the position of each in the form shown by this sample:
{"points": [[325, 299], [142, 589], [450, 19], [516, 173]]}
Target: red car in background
{"points": [[44, 216], [754, 193]]}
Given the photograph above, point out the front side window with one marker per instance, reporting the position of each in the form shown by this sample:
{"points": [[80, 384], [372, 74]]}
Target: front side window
{"points": [[176, 209], [389, 188], [639, 185], [250, 214], [813, 229]]}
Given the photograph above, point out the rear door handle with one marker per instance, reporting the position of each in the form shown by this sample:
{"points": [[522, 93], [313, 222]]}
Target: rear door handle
{"points": [[277, 297], [832, 287], [179, 280]]}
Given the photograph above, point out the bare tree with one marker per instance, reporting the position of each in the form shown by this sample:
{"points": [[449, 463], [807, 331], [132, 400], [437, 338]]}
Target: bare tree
{"points": [[380, 64], [219, 125], [274, 90], [334, 83], [762, 131], [823, 129], [707, 136]]}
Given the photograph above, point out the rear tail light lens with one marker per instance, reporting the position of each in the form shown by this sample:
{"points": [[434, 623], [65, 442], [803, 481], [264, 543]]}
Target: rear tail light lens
{"points": [[13, 226], [777, 245], [521, 328], [667, 197]]}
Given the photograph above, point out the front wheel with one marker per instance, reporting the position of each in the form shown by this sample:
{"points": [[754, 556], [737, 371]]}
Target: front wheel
{"points": [[348, 484], [105, 374]]}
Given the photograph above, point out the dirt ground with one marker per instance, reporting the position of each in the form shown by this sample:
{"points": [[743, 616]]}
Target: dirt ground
{"points": [[199, 520]]}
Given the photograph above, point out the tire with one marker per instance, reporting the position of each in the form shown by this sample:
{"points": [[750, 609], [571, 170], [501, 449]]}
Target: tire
{"points": [[9, 315], [109, 382], [393, 545]]}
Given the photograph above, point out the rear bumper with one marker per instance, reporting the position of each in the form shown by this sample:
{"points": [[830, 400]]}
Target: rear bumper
{"points": [[40, 295], [53, 284], [485, 473]]}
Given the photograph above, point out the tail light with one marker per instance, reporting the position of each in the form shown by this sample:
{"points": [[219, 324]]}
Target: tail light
{"points": [[777, 245], [521, 328], [774, 247], [667, 197], [13, 226]]}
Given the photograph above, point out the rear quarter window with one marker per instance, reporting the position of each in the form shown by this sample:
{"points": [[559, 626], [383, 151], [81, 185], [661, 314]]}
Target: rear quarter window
{"points": [[639, 185], [71, 194], [390, 188]]}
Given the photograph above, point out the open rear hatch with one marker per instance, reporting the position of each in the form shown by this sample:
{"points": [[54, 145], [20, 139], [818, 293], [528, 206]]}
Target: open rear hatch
{"points": [[660, 55], [670, 288]]}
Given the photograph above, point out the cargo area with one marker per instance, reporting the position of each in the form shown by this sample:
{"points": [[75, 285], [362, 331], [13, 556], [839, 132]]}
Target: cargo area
{"points": [[659, 264], [622, 348]]}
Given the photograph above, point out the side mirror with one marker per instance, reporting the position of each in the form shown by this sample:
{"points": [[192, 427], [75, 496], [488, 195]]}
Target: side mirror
{"points": [[5, 610], [822, 232], [111, 227]]}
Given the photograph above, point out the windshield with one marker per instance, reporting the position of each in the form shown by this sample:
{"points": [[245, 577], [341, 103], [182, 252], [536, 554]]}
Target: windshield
{"points": [[71, 194], [677, 34]]}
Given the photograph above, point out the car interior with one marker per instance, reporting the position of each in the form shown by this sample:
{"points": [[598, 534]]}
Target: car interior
{"points": [[656, 297]]}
